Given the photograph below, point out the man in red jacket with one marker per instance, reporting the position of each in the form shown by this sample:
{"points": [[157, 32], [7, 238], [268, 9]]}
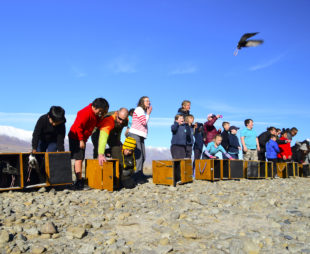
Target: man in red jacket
{"points": [[209, 129], [86, 120]]}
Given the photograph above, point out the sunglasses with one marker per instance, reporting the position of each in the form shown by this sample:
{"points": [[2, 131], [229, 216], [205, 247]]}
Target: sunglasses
{"points": [[121, 119]]}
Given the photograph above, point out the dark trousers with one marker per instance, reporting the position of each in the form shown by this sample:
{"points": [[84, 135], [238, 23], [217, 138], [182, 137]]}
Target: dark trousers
{"points": [[189, 151], [178, 152], [95, 141], [46, 147], [261, 156], [234, 155]]}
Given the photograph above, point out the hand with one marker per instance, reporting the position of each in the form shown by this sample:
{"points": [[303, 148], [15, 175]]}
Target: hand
{"points": [[289, 141], [34, 150], [239, 147], [245, 149], [101, 159], [258, 148], [289, 157], [149, 110], [82, 144], [232, 158], [213, 157], [218, 116], [219, 130], [284, 157]]}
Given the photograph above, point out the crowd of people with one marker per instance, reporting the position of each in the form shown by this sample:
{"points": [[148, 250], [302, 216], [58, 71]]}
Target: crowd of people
{"points": [[206, 141], [105, 128]]}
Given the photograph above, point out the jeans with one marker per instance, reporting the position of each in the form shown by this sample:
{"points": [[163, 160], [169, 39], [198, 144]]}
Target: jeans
{"points": [[46, 147]]}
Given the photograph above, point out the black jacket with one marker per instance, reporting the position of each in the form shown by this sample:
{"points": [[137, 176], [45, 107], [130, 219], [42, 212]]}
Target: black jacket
{"points": [[183, 112], [225, 140], [48, 133], [233, 144], [179, 134], [263, 138], [198, 135]]}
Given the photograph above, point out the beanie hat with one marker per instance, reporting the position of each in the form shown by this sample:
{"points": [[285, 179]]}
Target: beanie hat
{"points": [[130, 143]]}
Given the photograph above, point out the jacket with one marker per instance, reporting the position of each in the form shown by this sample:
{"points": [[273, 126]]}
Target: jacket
{"points": [[225, 140], [263, 138], [233, 144], [210, 131], [189, 135], [48, 133], [182, 112], [272, 149], [198, 135], [179, 134], [84, 124], [285, 149]]}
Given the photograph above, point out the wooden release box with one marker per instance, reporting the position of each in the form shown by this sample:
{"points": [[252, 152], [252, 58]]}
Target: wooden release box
{"points": [[172, 172], [282, 170], [105, 177], [292, 169], [52, 168], [258, 169]]}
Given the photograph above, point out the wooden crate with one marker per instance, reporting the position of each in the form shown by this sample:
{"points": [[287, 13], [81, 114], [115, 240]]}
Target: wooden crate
{"points": [[282, 170], [6, 180], [292, 169], [54, 169], [105, 177], [266, 169], [205, 170], [172, 172]]}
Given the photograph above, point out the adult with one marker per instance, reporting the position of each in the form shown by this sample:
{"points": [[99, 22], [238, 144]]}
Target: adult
{"points": [[185, 108], [263, 138], [249, 141], [49, 132], [209, 129], [110, 133], [138, 131], [86, 120], [292, 133]]}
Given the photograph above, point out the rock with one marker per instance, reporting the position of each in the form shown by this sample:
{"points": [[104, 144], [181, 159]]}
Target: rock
{"points": [[42, 190], [164, 241], [48, 228], [4, 236], [38, 250], [76, 232], [250, 247], [86, 248]]}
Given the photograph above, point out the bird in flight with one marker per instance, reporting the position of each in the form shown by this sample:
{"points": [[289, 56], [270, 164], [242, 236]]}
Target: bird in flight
{"points": [[244, 42]]}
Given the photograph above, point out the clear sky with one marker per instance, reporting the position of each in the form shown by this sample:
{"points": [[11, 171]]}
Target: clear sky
{"points": [[68, 53]]}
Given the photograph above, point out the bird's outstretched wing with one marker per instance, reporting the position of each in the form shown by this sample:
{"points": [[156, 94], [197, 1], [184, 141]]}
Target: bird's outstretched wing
{"points": [[253, 43], [247, 36]]}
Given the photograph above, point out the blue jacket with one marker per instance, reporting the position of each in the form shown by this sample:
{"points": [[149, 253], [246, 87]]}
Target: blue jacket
{"points": [[199, 137], [272, 149], [179, 134], [233, 144]]}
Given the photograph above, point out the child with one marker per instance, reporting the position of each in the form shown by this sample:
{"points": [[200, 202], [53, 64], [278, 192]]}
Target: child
{"points": [[127, 163], [86, 120], [214, 147], [209, 130], [49, 132], [190, 135], [272, 150], [185, 108], [285, 149], [178, 141], [234, 145], [225, 135]]}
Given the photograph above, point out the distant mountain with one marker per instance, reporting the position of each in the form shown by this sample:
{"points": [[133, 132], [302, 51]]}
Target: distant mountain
{"points": [[14, 140]]}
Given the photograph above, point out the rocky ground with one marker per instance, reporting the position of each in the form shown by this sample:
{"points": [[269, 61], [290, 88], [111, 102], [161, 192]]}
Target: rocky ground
{"points": [[247, 216]]}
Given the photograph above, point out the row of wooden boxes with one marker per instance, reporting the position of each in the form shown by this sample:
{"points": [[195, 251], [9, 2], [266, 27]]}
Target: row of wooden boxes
{"points": [[171, 172], [52, 169]]}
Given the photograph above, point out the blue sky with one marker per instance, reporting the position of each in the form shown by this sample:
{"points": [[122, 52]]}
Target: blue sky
{"points": [[68, 53]]}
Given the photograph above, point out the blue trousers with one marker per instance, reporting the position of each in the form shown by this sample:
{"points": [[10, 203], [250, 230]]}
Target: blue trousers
{"points": [[46, 147]]}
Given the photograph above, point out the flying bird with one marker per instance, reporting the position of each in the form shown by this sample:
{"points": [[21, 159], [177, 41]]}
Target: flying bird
{"points": [[244, 42]]}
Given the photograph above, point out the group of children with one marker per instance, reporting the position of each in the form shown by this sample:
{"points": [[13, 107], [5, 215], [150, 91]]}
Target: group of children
{"points": [[206, 141]]}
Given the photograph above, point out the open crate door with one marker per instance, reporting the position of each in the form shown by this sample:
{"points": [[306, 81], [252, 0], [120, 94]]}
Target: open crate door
{"points": [[236, 169], [186, 171], [11, 173], [59, 168], [282, 169], [253, 169], [217, 170], [225, 169]]}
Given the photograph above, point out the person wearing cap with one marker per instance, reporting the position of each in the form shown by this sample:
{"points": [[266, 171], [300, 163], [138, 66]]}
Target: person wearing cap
{"points": [[127, 163], [49, 132], [249, 141], [233, 142], [209, 129]]}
